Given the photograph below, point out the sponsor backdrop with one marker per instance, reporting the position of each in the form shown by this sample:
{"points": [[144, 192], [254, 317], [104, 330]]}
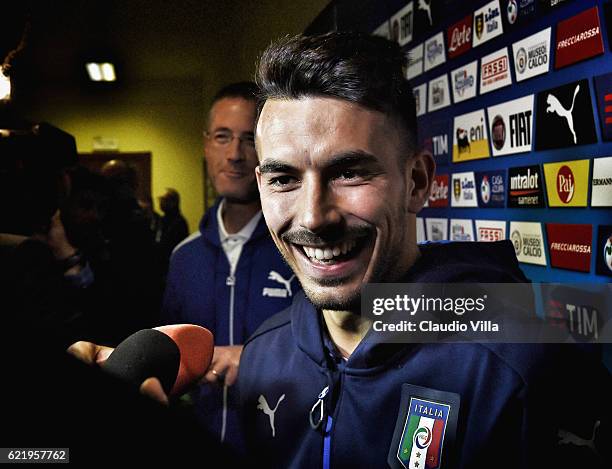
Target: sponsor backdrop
{"points": [[515, 103]]}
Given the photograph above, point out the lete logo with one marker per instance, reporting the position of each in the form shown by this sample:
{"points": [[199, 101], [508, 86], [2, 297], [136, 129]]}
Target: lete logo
{"points": [[459, 37]]}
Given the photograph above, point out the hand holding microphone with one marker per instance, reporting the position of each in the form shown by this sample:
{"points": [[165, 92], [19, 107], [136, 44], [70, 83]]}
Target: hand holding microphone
{"points": [[224, 366], [162, 362]]}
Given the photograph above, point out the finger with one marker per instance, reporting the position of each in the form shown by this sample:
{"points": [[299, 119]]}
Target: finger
{"points": [[103, 353], [231, 375], [211, 376], [84, 351], [151, 387]]}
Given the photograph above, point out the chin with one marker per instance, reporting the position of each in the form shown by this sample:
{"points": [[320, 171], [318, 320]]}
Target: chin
{"points": [[330, 298]]}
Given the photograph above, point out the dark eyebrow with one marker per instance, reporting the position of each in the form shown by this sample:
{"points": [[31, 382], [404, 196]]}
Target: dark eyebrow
{"points": [[226, 129], [351, 158], [344, 159], [275, 166]]}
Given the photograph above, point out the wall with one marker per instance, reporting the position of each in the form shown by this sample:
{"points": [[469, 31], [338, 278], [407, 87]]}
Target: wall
{"points": [[579, 223], [174, 61], [163, 117]]}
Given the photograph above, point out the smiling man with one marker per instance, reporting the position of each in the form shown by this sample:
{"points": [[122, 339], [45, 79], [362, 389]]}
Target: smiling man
{"points": [[341, 182], [228, 276]]}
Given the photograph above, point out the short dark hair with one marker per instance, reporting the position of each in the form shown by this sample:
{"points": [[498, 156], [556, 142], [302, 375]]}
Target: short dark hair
{"points": [[243, 89], [352, 66], [172, 195], [246, 90]]}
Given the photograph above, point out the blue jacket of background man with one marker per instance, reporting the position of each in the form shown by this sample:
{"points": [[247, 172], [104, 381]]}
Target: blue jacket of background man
{"points": [[201, 290], [515, 405]]}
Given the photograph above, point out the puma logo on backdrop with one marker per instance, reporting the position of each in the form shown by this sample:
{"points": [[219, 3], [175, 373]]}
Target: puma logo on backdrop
{"points": [[423, 5], [554, 105]]}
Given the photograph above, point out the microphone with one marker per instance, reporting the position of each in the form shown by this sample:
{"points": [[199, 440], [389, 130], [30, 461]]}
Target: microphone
{"points": [[177, 355]]}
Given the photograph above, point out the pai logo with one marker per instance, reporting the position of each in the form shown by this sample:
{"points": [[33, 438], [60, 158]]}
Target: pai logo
{"points": [[567, 183], [423, 436]]}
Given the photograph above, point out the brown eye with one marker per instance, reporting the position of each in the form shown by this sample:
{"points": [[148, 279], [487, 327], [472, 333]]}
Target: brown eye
{"points": [[222, 138], [281, 180]]}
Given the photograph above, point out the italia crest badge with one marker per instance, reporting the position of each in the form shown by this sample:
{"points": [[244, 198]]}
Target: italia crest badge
{"points": [[425, 429]]}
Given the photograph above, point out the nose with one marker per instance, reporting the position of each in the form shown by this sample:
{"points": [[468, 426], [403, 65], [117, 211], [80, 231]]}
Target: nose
{"points": [[235, 153], [317, 207]]}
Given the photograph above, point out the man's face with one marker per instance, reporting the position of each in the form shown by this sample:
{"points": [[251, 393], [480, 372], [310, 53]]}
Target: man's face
{"points": [[337, 199], [229, 149]]}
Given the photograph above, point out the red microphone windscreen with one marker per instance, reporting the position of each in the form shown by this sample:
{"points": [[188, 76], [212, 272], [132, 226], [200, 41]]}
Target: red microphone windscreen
{"points": [[196, 347]]}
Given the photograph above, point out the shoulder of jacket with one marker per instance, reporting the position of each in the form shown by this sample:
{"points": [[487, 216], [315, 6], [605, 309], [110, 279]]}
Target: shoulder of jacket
{"points": [[186, 243], [273, 323], [524, 360]]}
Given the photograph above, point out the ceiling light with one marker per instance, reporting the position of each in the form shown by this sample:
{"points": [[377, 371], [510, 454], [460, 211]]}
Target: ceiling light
{"points": [[101, 71], [108, 71], [5, 87], [95, 74]]}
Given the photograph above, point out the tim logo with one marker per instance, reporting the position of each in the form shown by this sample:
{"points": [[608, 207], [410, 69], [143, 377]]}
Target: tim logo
{"points": [[580, 320], [565, 184], [278, 292], [555, 106]]}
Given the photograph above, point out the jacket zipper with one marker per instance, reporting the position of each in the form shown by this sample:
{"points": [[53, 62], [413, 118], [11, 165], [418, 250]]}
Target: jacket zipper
{"points": [[231, 282], [334, 390], [327, 443]]}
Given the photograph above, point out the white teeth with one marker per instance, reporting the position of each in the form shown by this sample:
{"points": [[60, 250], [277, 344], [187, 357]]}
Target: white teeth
{"points": [[330, 252]]}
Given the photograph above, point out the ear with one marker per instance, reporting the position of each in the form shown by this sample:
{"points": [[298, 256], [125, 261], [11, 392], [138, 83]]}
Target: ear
{"points": [[420, 170]]}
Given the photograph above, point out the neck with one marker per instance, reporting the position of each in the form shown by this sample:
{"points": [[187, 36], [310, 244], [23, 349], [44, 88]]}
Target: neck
{"points": [[346, 329], [236, 216]]}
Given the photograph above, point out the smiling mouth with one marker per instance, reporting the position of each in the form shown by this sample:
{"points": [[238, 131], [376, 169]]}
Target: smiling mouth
{"points": [[330, 254], [235, 174]]}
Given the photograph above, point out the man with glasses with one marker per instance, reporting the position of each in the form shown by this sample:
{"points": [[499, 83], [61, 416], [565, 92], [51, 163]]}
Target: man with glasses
{"points": [[228, 276]]}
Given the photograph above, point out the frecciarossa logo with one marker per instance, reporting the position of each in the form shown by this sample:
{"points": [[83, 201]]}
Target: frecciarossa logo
{"points": [[570, 246], [579, 38]]}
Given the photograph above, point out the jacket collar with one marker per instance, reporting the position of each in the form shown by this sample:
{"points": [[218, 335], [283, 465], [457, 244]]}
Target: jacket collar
{"points": [[369, 356], [209, 226], [439, 263]]}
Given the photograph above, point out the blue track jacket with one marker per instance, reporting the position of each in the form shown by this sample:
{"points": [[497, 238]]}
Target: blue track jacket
{"points": [[201, 290], [305, 407]]}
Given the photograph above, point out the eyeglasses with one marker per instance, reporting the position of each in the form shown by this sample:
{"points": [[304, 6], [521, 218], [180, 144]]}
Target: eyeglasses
{"points": [[224, 138]]}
